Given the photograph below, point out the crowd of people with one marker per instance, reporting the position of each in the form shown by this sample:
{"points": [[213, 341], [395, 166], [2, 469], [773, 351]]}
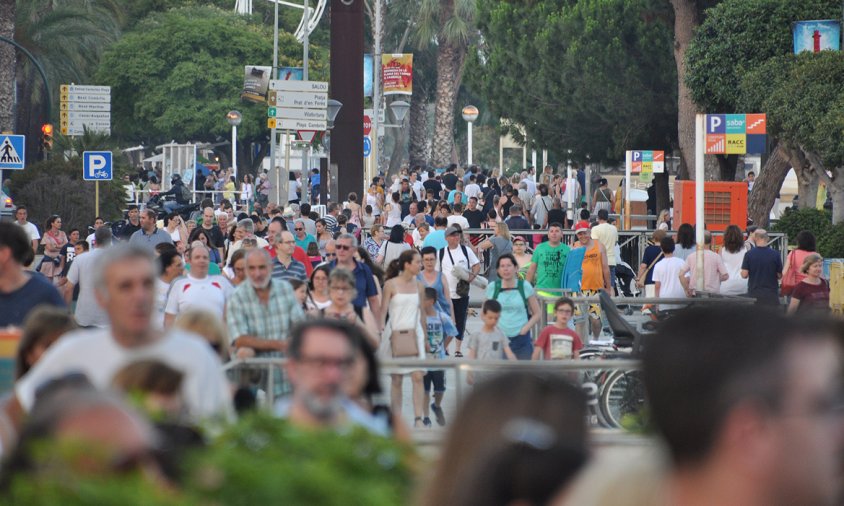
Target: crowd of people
{"points": [[386, 277]]}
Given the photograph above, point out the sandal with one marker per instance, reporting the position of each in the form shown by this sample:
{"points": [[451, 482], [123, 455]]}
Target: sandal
{"points": [[417, 422], [457, 354]]}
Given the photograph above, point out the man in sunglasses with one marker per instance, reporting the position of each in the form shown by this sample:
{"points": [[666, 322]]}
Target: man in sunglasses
{"points": [[346, 246]]}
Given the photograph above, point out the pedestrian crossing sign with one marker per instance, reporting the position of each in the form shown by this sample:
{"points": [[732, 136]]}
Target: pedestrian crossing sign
{"points": [[12, 155]]}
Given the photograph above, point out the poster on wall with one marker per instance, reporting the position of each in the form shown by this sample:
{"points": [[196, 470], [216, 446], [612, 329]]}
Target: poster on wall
{"points": [[397, 74], [291, 74]]}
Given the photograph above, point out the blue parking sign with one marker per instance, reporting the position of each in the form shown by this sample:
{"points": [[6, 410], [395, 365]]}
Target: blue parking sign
{"points": [[96, 166], [12, 152]]}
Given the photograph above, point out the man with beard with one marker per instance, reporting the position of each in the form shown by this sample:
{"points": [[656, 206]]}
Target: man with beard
{"points": [[261, 312], [321, 356]]}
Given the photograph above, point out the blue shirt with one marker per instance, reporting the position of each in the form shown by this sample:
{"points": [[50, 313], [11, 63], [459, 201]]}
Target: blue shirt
{"points": [[763, 264], [363, 278], [514, 314], [16, 305]]}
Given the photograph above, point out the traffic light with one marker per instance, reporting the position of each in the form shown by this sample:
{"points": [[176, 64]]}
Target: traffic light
{"points": [[47, 136]]}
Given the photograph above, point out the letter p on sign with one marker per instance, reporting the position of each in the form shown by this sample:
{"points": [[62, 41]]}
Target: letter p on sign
{"points": [[97, 166]]}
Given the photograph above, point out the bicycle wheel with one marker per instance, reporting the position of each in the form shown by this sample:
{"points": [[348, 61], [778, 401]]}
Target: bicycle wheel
{"points": [[621, 394]]}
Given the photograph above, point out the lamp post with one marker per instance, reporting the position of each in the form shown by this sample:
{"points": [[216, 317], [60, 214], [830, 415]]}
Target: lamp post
{"points": [[325, 178], [234, 118], [470, 114]]}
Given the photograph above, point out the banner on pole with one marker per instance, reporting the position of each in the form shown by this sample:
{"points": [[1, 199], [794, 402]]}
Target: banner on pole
{"points": [[397, 74], [735, 134], [255, 83]]}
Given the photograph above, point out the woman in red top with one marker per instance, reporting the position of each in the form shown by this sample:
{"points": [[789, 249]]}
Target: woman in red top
{"points": [[54, 239], [811, 294]]}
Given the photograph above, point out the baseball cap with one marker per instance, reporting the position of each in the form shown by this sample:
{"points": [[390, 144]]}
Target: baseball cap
{"points": [[453, 229], [581, 226]]}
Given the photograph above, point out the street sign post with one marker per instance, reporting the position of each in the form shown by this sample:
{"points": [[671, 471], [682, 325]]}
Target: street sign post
{"points": [[84, 107], [12, 152], [97, 166]]}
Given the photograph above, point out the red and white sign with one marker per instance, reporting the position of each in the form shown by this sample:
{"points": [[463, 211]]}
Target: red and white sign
{"points": [[367, 124], [306, 135]]}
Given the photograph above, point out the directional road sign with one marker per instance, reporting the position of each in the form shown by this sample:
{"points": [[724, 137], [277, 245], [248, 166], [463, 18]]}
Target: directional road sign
{"points": [[367, 147], [292, 113], [85, 106], [301, 124], [86, 115], [307, 99], [84, 88], [85, 97], [96, 166], [12, 155], [320, 86]]}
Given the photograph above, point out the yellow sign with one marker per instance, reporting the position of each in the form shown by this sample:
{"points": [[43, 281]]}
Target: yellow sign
{"points": [[736, 144], [63, 89], [271, 122]]}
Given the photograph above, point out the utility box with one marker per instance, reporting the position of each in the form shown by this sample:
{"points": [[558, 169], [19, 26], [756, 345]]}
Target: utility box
{"points": [[724, 203]]}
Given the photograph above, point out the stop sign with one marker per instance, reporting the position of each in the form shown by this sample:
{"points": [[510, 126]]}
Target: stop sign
{"points": [[367, 124]]}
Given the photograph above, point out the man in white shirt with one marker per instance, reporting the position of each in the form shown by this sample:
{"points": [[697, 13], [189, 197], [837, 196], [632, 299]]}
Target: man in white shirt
{"points": [[91, 240], [30, 229], [125, 287], [457, 217], [416, 184], [82, 272], [472, 189], [530, 185], [171, 266], [667, 275], [607, 234], [456, 254], [409, 221], [197, 290]]}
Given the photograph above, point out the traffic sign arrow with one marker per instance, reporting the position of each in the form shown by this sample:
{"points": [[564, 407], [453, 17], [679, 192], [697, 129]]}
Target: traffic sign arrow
{"points": [[292, 113]]}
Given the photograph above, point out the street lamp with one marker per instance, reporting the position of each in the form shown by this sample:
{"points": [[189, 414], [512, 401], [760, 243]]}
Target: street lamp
{"points": [[325, 179], [234, 118], [400, 109], [470, 114]]}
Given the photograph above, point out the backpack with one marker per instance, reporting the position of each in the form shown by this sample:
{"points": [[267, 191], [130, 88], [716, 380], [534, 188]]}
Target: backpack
{"points": [[520, 286], [186, 194]]}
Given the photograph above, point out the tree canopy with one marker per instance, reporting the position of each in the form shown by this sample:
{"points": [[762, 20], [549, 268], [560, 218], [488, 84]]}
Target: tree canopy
{"points": [[178, 72], [738, 36], [596, 77]]}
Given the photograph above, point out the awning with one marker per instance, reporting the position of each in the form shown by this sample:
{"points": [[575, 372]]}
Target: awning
{"points": [[159, 158]]}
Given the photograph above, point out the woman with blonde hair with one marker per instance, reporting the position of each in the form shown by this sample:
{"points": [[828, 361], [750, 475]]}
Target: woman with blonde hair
{"points": [[342, 290], [207, 325], [811, 294]]}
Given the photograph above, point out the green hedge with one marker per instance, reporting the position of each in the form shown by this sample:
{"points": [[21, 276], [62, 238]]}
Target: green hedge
{"points": [[829, 237]]}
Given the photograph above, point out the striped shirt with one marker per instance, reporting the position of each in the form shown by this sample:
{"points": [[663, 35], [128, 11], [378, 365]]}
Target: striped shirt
{"points": [[247, 316], [295, 270]]}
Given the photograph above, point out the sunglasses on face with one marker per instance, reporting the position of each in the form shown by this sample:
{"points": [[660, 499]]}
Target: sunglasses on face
{"points": [[342, 247]]}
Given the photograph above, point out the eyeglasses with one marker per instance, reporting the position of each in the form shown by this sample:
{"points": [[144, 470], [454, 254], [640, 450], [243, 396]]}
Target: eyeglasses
{"points": [[343, 247], [288, 242], [331, 254], [299, 229], [340, 288]]}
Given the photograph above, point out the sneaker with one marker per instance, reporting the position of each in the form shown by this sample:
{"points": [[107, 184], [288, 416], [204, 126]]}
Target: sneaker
{"points": [[426, 422], [438, 412]]}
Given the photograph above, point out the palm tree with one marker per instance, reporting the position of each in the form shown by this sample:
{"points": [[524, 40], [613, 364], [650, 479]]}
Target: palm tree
{"points": [[68, 38], [450, 23], [7, 70]]}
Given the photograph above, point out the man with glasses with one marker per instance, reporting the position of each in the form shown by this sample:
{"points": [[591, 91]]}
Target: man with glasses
{"points": [[303, 238], [346, 246], [750, 406], [261, 311], [284, 265], [321, 355]]}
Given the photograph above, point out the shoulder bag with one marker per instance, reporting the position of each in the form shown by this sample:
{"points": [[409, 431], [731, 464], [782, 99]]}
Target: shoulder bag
{"points": [[789, 281], [641, 280]]}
